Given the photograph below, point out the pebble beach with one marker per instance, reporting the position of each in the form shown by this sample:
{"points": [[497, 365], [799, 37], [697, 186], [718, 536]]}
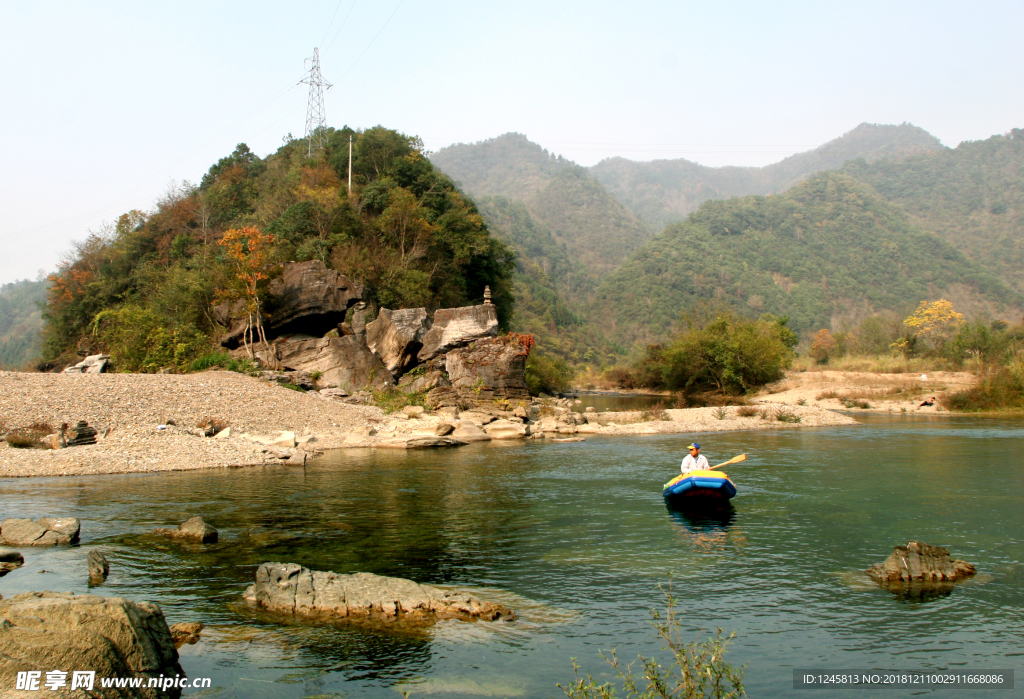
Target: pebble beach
{"points": [[149, 421]]}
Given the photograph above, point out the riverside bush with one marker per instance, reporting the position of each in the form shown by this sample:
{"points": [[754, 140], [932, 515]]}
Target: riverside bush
{"points": [[139, 340], [696, 670], [545, 374], [729, 354]]}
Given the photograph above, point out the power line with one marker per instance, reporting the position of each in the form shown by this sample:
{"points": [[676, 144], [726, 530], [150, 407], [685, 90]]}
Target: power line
{"points": [[343, 23], [373, 40]]}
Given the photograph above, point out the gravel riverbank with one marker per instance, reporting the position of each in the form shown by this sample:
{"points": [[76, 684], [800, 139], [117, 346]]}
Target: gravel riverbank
{"points": [[138, 410]]}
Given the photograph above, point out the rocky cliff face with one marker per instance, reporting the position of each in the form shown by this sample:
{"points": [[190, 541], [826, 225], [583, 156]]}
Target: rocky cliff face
{"points": [[453, 354], [307, 298]]}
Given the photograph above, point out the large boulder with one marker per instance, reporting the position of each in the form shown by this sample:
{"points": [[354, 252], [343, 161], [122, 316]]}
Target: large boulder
{"points": [[46, 531], [397, 336], [93, 364], [307, 298], [288, 588], [456, 327], [45, 631], [491, 368], [506, 429], [343, 362], [425, 377]]}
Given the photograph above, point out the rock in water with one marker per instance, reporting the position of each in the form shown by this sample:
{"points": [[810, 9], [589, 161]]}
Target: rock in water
{"points": [[46, 531], [44, 631], [920, 571], [291, 589], [99, 567], [397, 336], [186, 632], [9, 560], [194, 529]]}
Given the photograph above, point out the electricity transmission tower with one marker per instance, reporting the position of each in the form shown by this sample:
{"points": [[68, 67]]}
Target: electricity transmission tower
{"points": [[316, 115]]}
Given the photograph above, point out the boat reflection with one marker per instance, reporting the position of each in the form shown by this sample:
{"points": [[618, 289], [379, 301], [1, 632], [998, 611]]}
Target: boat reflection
{"points": [[708, 528]]}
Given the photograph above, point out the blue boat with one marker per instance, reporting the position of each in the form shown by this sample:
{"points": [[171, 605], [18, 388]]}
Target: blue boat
{"points": [[699, 487]]}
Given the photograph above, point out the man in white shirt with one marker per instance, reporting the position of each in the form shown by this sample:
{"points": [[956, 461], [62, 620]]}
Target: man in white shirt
{"points": [[694, 461]]}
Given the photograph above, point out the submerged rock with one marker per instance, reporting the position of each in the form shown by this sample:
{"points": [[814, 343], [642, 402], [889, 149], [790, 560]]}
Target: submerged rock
{"points": [[186, 632], [45, 631], [419, 441], [291, 589], [918, 570], [194, 529], [99, 567]]}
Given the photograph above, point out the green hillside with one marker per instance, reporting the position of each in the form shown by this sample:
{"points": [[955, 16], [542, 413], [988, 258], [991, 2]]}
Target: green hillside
{"points": [[663, 191], [551, 288], [971, 196], [827, 250], [21, 322], [560, 196], [405, 233]]}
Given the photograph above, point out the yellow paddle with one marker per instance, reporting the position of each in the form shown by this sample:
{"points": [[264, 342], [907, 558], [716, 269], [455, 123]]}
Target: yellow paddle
{"points": [[733, 460]]}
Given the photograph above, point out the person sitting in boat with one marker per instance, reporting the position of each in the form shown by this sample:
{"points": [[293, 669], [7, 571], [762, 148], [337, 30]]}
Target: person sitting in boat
{"points": [[694, 461]]}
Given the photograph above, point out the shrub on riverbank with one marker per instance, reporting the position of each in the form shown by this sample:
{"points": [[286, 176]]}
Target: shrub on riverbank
{"points": [[545, 374], [727, 354], [697, 670]]}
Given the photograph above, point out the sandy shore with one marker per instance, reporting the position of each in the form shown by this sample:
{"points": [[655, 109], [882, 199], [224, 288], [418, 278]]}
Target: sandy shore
{"points": [[138, 410], [852, 390]]}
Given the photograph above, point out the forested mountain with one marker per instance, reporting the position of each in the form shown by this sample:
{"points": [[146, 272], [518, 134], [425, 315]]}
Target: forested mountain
{"points": [[971, 196], [405, 233], [21, 322], [830, 248], [559, 195], [663, 191]]}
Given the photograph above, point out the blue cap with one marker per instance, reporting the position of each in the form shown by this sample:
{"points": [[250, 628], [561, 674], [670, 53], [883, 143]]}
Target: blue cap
{"points": [[694, 446]]}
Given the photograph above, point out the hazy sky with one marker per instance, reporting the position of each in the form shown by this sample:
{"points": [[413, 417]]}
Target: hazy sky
{"points": [[104, 104]]}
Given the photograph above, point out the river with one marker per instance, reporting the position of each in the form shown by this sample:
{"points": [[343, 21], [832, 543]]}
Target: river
{"points": [[577, 539]]}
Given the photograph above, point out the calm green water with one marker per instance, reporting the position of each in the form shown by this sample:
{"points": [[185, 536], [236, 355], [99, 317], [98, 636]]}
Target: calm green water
{"points": [[578, 538]]}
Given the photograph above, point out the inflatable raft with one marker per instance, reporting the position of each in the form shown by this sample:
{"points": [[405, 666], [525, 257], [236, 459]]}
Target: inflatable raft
{"points": [[699, 487]]}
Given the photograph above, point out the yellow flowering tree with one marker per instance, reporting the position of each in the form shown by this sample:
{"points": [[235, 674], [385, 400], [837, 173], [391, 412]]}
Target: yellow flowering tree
{"points": [[937, 322]]}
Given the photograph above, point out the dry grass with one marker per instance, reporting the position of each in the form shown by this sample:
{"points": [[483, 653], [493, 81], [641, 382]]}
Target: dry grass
{"points": [[878, 364], [747, 411], [28, 437]]}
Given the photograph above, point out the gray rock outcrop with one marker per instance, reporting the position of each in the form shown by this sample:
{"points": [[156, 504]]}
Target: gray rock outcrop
{"points": [[194, 529], [46, 531], [456, 327], [288, 588], [44, 631], [343, 362], [307, 298], [397, 337], [93, 364], [489, 369]]}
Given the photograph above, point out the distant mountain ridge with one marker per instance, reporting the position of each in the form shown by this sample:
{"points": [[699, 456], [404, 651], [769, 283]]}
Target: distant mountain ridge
{"points": [[825, 253], [663, 191], [560, 195]]}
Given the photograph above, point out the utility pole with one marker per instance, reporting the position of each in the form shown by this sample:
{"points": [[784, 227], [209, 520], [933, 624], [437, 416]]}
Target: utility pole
{"points": [[316, 115], [350, 166]]}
